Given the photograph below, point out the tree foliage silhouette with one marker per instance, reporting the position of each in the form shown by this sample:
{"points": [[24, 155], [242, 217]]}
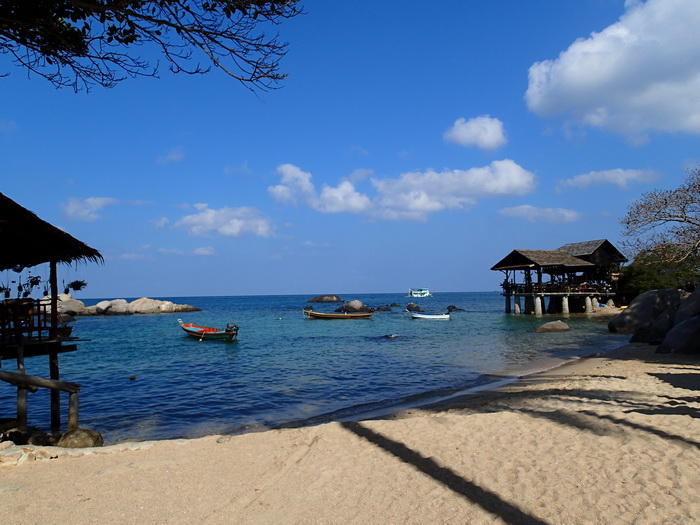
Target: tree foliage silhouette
{"points": [[81, 43]]}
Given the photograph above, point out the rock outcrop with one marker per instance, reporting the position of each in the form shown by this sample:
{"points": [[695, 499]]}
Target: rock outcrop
{"points": [[81, 438], [144, 305], [644, 310], [553, 326], [683, 338], [325, 299], [667, 317], [354, 306]]}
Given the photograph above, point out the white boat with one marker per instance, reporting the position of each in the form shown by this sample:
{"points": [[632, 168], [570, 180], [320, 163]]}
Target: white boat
{"points": [[419, 292], [423, 315]]}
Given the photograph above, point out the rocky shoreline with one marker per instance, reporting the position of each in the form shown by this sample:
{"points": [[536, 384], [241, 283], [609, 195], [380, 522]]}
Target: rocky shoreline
{"points": [[67, 305]]}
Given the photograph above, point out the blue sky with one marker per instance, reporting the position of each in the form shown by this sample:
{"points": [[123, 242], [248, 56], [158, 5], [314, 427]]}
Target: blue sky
{"points": [[411, 145]]}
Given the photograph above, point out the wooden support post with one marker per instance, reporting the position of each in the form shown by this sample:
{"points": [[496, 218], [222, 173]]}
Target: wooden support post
{"points": [[538, 305], [507, 303], [589, 305], [73, 411], [23, 381], [53, 281], [529, 304], [565, 304], [518, 311], [21, 391], [55, 394]]}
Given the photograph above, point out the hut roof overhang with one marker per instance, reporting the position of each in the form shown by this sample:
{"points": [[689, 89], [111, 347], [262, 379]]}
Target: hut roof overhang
{"points": [[587, 249], [28, 240], [545, 259]]}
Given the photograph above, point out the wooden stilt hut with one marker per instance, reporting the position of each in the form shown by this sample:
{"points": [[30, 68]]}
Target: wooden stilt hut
{"points": [[582, 272], [29, 327]]}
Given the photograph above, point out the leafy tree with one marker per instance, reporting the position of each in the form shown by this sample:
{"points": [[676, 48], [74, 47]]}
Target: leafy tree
{"points": [[652, 273], [80, 43], [664, 226]]}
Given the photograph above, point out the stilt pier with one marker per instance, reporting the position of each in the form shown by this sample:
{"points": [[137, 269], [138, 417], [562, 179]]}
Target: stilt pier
{"points": [[574, 278]]}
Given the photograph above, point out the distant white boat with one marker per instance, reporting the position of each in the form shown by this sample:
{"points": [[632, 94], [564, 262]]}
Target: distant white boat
{"points": [[419, 292], [423, 315]]}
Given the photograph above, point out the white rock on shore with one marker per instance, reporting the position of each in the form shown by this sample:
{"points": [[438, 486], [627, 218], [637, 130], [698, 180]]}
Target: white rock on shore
{"points": [[68, 305]]}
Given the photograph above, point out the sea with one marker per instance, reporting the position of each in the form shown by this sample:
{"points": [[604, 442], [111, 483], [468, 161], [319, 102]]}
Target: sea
{"points": [[143, 378]]}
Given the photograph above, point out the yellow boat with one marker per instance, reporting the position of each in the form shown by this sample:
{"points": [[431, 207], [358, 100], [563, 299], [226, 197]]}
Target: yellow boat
{"points": [[310, 314]]}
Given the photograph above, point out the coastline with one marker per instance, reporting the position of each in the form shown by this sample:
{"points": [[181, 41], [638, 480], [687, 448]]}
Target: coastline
{"points": [[610, 438]]}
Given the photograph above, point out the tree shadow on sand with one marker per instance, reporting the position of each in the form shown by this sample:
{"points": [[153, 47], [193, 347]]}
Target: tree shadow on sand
{"points": [[487, 500], [579, 413]]}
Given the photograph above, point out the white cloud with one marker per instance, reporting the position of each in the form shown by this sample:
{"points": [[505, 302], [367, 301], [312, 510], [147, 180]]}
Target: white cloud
{"points": [[359, 175], [484, 132], [229, 222], [413, 195], [86, 209], [174, 155], [617, 177], [533, 214], [161, 223], [410, 196], [297, 187], [342, 198], [638, 75], [206, 250]]}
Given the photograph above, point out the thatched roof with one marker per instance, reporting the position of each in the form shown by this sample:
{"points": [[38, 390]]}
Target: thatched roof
{"points": [[601, 251], [577, 256], [27, 240], [525, 259]]}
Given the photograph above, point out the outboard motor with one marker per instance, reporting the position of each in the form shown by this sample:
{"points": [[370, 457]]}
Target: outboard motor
{"points": [[232, 327]]}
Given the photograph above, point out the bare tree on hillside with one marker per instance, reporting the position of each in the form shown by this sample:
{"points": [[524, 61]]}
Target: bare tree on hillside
{"points": [[80, 43], [665, 225]]}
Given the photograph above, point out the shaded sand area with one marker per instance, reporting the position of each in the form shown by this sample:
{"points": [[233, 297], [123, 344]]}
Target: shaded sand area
{"points": [[612, 439]]}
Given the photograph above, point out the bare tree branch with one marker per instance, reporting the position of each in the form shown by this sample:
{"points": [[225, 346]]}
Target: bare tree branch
{"points": [[666, 224], [80, 43]]}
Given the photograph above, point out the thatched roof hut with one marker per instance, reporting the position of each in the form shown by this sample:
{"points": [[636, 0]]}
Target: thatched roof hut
{"points": [[27, 240]]}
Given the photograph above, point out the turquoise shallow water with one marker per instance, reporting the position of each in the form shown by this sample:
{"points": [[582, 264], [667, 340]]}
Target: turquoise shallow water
{"points": [[285, 368]]}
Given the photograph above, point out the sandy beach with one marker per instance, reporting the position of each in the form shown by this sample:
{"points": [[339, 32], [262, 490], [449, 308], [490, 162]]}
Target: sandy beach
{"points": [[613, 439]]}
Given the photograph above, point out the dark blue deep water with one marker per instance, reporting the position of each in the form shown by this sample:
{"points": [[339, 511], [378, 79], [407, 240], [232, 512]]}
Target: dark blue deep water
{"points": [[285, 368]]}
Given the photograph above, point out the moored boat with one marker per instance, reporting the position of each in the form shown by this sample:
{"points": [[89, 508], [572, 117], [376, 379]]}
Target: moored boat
{"points": [[205, 332], [423, 315], [310, 314]]}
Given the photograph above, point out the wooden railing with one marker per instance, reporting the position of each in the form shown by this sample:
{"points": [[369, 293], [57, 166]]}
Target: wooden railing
{"points": [[23, 320], [27, 382], [557, 289]]}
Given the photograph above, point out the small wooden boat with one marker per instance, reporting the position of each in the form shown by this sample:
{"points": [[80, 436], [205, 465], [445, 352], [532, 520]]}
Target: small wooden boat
{"points": [[310, 314], [423, 315], [204, 332]]}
